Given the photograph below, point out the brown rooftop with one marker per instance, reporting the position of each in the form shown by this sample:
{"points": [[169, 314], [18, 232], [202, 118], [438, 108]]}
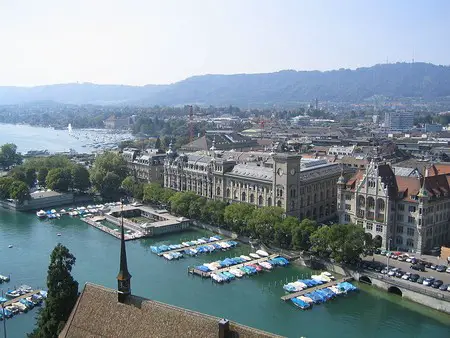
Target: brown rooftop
{"points": [[97, 313]]}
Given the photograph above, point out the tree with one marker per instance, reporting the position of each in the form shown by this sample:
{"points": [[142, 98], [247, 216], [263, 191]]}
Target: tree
{"points": [[301, 234], [109, 165], [62, 294], [158, 143], [213, 212], [320, 241], [19, 191], [128, 185], [196, 206], [237, 215], [263, 222], [5, 187], [41, 176], [282, 236], [181, 201], [18, 174], [58, 179], [80, 178], [9, 155], [153, 193], [110, 186], [30, 177], [167, 195]]}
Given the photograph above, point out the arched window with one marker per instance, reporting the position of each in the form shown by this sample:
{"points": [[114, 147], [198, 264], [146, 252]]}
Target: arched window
{"points": [[409, 242], [370, 202], [321, 195], [218, 191], [260, 200], [361, 202], [292, 205], [321, 211], [381, 204], [235, 195], [228, 193], [399, 240], [252, 198], [279, 203], [308, 214], [243, 197], [308, 200], [269, 201], [315, 198]]}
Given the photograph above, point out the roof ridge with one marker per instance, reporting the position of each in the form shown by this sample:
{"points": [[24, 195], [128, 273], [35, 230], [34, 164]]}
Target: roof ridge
{"points": [[68, 324]]}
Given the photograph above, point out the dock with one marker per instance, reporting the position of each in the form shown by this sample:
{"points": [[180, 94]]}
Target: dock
{"points": [[195, 271], [318, 287], [195, 246], [15, 300], [116, 234]]}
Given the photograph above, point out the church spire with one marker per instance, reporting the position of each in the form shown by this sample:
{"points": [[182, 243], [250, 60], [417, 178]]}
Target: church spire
{"points": [[123, 277]]}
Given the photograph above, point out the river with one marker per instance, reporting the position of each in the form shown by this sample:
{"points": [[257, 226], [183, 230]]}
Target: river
{"points": [[253, 301], [39, 138]]}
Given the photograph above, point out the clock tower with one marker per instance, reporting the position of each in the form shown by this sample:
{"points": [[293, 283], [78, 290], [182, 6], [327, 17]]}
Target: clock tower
{"points": [[123, 277]]}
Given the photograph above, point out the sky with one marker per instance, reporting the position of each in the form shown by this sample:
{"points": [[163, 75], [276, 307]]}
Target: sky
{"points": [[139, 42]]}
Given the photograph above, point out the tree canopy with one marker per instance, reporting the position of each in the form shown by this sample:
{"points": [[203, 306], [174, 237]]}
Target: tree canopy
{"points": [[9, 155], [107, 174], [80, 178], [62, 294], [59, 179]]}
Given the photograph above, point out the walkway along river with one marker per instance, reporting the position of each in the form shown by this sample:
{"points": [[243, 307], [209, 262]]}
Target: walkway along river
{"points": [[254, 301]]}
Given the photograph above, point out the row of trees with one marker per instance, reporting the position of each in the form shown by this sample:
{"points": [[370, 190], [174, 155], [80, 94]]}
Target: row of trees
{"points": [[341, 242], [9, 156]]}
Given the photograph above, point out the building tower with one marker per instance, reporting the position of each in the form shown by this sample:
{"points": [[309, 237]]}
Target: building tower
{"points": [[341, 198], [423, 200], [123, 277]]}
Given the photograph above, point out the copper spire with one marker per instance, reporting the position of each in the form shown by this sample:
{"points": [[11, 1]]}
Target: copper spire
{"points": [[123, 277]]}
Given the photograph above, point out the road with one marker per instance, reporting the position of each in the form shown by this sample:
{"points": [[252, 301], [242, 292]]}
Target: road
{"points": [[405, 266]]}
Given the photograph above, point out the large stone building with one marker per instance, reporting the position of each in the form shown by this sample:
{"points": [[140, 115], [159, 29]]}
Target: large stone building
{"points": [[146, 166], [407, 211], [302, 187], [223, 140]]}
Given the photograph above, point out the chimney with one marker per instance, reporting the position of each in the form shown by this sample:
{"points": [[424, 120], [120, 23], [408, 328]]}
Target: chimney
{"points": [[224, 328]]}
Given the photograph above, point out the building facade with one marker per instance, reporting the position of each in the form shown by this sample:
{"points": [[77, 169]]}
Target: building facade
{"points": [[303, 188], [407, 213], [146, 166], [399, 121]]}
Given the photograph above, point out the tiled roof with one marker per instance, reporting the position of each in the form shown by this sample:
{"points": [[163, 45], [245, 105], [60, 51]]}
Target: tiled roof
{"points": [[443, 168], [97, 313], [252, 171]]}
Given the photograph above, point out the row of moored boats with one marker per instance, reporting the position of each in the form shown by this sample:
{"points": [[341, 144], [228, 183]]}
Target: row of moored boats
{"points": [[237, 267], [89, 210], [22, 305]]}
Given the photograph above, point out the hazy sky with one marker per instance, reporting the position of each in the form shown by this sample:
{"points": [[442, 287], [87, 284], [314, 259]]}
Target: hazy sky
{"points": [[144, 41]]}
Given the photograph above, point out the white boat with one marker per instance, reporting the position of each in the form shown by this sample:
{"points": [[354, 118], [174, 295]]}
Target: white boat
{"points": [[266, 265], [58, 234], [329, 275], [58, 215], [10, 246], [216, 278], [168, 256], [53, 211], [62, 211], [41, 214], [253, 255], [245, 258], [238, 273], [20, 306], [262, 253]]}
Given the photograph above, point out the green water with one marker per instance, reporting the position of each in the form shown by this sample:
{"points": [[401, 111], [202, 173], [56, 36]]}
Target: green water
{"points": [[253, 301]]}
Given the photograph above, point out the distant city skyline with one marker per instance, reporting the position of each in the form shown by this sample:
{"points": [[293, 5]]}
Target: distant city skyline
{"points": [[138, 42]]}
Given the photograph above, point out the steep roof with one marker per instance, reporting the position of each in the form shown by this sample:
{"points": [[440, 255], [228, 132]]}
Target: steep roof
{"points": [[97, 313]]}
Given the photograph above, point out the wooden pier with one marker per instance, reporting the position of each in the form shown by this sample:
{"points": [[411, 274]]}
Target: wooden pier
{"points": [[15, 300], [194, 246], [110, 231], [236, 266], [318, 287]]}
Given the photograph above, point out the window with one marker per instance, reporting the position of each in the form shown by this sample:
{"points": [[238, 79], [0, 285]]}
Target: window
{"points": [[260, 200], [348, 197], [348, 207], [359, 223], [401, 207], [410, 232], [347, 217], [399, 240], [369, 226], [399, 217], [411, 220], [409, 242], [399, 229], [252, 198], [381, 204], [379, 228], [370, 202], [412, 208]]}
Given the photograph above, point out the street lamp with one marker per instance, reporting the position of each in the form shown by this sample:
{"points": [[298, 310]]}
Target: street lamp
{"points": [[389, 252]]}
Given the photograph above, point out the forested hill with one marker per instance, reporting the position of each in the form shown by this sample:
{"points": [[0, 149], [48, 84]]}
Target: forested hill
{"points": [[391, 81]]}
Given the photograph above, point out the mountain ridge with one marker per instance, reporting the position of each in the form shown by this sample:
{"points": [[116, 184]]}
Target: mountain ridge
{"points": [[419, 80]]}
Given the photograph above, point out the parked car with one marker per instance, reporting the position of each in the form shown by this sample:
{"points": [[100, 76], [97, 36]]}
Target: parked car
{"points": [[437, 283], [433, 266], [418, 267], [394, 256], [399, 273], [420, 280], [393, 271], [448, 289], [408, 259], [378, 251], [414, 277], [427, 264], [384, 271], [428, 281], [403, 258], [448, 269], [414, 260], [444, 287], [383, 252], [406, 276], [441, 268]]}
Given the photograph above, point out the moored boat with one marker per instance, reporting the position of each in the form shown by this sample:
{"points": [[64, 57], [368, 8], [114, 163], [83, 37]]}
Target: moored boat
{"points": [[41, 214], [254, 255], [262, 253]]}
